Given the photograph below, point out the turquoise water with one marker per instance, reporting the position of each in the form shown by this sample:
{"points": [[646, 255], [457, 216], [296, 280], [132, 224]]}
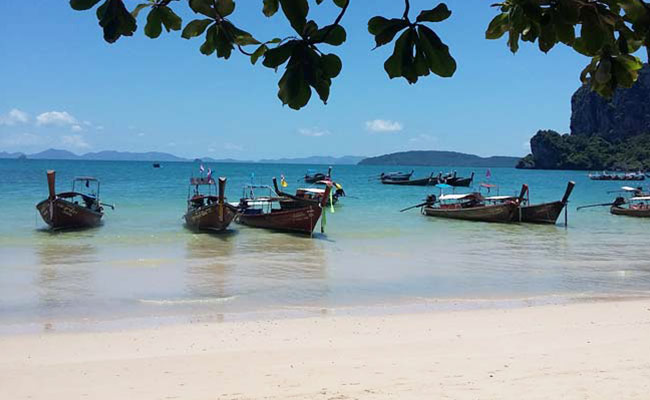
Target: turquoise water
{"points": [[142, 263]]}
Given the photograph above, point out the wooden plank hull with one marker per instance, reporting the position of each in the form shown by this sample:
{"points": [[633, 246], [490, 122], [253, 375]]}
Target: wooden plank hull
{"points": [[62, 214], [630, 212], [495, 213], [411, 182], [207, 218], [546, 213], [303, 219]]}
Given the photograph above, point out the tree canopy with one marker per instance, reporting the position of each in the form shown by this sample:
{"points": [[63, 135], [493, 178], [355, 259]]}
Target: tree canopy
{"points": [[608, 32]]}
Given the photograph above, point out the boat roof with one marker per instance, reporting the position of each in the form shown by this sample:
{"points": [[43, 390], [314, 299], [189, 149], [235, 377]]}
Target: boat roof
{"points": [[85, 178], [642, 198], [493, 198], [443, 186], [630, 189], [487, 185], [313, 190], [456, 196]]}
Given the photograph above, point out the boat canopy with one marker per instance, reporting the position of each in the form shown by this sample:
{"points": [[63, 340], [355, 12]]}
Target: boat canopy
{"points": [[456, 196], [443, 186], [85, 178], [488, 185], [313, 190], [629, 189], [643, 198], [498, 198]]}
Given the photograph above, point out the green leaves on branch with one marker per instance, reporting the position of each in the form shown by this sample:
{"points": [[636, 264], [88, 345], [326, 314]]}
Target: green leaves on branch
{"points": [[159, 16], [306, 69], [609, 32], [418, 50], [115, 20]]}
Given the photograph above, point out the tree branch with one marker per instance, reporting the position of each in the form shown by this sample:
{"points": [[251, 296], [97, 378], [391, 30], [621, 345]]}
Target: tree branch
{"points": [[337, 21], [407, 8]]}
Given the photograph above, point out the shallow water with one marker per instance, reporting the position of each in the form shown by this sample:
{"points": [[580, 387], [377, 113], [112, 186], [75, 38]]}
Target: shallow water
{"points": [[142, 263]]}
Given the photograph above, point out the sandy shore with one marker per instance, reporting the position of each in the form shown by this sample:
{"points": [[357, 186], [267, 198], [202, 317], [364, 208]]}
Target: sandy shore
{"points": [[579, 351]]}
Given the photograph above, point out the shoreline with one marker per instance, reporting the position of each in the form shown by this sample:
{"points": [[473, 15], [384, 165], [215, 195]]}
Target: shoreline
{"points": [[571, 351], [120, 322]]}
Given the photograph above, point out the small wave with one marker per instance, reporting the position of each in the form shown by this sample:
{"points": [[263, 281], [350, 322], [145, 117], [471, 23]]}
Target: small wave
{"points": [[211, 300]]}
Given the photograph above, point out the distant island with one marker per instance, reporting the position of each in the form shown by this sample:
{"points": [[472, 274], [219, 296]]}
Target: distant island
{"points": [[440, 158], [605, 135], [153, 156]]}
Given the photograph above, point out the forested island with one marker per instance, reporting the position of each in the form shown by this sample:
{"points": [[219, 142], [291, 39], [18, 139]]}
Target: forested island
{"points": [[444, 158], [605, 134]]}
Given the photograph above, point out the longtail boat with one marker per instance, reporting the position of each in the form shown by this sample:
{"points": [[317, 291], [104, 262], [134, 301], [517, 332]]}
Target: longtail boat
{"points": [[396, 176], [459, 181], [74, 209], [545, 213], [637, 207], [473, 207], [313, 177], [283, 212], [429, 181], [630, 176], [316, 193], [208, 211]]}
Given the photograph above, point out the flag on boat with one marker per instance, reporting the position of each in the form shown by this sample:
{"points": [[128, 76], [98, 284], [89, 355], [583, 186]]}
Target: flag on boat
{"points": [[202, 168], [488, 174], [283, 182], [209, 175]]}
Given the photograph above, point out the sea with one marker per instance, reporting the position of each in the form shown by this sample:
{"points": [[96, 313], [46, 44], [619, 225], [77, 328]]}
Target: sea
{"points": [[142, 267]]}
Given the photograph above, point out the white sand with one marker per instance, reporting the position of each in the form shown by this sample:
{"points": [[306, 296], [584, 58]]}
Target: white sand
{"points": [[580, 351]]}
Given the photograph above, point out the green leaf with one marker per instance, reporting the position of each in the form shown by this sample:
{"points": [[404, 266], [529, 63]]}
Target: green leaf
{"points": [[394, 63], [225, 7], [170, 19], [116, 20], [513, 40], [604, 71], [154, 23], [203, 7], [439, 13], [341, 3], [498, 26], [195, 28], [138, 8], [385, 29], [258, 53], [270, 7], [294, 89], [223, 44], [296, 12], [239, 36], [81, 5], [331, 65], [336, 36], [592, 33], [547, 38], [208, 46], [275, 57], [440, 61]]}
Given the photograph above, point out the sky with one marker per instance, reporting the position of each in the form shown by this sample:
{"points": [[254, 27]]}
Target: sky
{"points": [[63, 87]]}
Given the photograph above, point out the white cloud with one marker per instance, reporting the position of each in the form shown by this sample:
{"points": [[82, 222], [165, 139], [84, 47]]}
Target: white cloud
{"points": [[13, 117], [141, 134], [313, 132], [87, 123], [383, 125], [76, 141], [100, 128], [233, 146], [76, 128], [55, 118]]}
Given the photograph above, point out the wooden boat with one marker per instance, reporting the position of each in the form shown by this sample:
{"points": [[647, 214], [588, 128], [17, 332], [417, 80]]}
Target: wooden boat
{"points": [[74, 209], [457, 181], [313, 177], [473, 207], [637, 207], [208, 212], [318, 194], [396, 176], [430, 181], [283, 212], [156, 165], [545, 213]]}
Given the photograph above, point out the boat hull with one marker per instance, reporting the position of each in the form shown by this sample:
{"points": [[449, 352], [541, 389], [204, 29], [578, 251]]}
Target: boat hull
{"points": [[208, 218], [495, 213], [62, 214], [631, 212], [546, 213], [411, 182], [302, 220]]}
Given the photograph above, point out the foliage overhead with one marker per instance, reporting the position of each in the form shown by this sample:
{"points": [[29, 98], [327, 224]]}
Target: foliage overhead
{"points": [[609, 32]]}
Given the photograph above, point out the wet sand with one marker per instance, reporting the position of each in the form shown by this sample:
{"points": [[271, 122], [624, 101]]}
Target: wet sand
{"points": [[595, 350]]}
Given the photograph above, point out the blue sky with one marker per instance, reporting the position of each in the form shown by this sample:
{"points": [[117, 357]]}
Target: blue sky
{"points": [[62, 86]]}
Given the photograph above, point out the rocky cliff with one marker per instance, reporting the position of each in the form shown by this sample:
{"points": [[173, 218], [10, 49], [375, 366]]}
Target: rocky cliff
{"points": [[605, 134]]}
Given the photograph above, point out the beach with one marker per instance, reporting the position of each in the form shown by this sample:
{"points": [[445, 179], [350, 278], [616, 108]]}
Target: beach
{"points": [[592, 350]]}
